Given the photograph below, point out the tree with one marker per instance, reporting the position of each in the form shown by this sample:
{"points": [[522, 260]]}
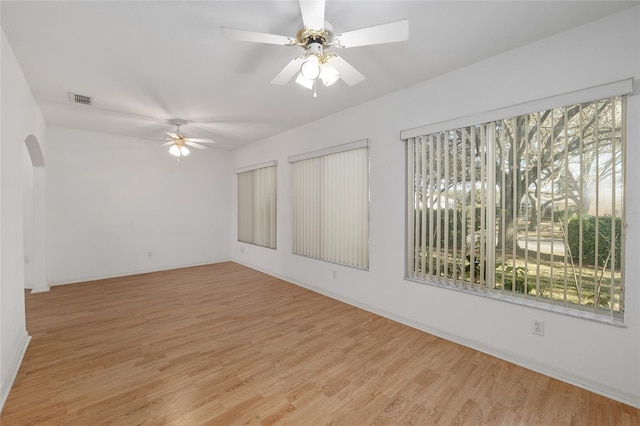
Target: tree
{"points": [[558, 152]]}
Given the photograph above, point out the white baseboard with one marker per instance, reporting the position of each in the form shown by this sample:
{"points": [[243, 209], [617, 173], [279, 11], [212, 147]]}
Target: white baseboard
{"points": [[7, 384], [40, 289], [580, 382], [138, 272]]}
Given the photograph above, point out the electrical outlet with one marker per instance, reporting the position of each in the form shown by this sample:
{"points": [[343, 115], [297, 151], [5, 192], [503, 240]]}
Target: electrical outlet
{"points": [[241, 249], [537, 327], [334, 275], [150, 254]]}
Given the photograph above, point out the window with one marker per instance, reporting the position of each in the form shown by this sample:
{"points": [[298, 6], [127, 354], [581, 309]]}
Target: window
{"points": [[257, 205], [331, 204], [529, 207]]}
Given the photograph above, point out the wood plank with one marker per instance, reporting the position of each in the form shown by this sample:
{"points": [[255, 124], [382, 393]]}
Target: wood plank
{"points": [[224, 344]]}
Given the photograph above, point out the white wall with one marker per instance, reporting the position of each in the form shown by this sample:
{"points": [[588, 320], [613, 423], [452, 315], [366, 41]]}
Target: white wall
{"points": [[20, 117], [28, 219], [113, 199], [596, 356]]}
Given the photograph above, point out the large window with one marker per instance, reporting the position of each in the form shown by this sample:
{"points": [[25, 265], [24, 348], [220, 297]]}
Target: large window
{"points": [[257, 205], [530, 207], [331, 204]]}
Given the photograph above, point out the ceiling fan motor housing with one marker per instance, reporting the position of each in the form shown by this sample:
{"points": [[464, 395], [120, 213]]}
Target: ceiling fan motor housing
{"points": [[307, 37], [314, 49]]}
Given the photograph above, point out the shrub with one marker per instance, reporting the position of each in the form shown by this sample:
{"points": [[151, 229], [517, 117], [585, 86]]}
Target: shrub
{"points": [[589, 239]]}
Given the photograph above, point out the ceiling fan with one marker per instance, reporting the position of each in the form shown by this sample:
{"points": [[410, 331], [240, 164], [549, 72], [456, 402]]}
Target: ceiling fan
{"points": [[316, 37], [178, 141]]}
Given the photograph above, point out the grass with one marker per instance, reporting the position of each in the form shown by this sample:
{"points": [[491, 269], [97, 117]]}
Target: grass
{"points": [[550, 279]]}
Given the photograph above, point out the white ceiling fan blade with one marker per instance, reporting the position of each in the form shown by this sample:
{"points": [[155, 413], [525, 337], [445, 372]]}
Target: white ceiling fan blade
{"points": [[201, 140], [173, 135], [167, 143], [312, 13], [349, 74], [256, 37], [288, 71], [379, 34], [195, 145]]}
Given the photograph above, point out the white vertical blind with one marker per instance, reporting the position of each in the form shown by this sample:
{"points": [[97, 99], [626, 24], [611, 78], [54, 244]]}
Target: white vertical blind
{"points": [[257, 206], [245, 207], [331, 206], [306, 183], [530, 206]]}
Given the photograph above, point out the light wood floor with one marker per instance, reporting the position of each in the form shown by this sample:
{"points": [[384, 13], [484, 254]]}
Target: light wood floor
{"points": [[223, 344]]}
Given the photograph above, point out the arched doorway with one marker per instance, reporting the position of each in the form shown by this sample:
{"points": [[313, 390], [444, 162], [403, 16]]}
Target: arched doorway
{"points": [[34, 217]]}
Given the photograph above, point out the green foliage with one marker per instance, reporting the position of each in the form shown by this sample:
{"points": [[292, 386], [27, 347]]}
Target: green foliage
{"points": [[520, 277], [603, 300], [589, 239], [558, 215]]}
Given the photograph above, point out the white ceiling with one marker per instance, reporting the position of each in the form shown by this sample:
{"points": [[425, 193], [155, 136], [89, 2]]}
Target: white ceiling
{"points": [[150, 61]]}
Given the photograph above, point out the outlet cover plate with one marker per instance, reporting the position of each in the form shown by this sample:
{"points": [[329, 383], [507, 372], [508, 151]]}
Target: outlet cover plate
{"points": [[537, 327]]}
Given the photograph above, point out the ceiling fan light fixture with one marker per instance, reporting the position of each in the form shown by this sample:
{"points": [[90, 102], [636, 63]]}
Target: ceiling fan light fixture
{"points": [[328, 74], [179, 151], [310, 68], [304, 82], [177, 141]]}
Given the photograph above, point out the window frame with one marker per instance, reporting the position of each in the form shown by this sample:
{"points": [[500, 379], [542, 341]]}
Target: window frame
{"points": [[622, 87]]}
